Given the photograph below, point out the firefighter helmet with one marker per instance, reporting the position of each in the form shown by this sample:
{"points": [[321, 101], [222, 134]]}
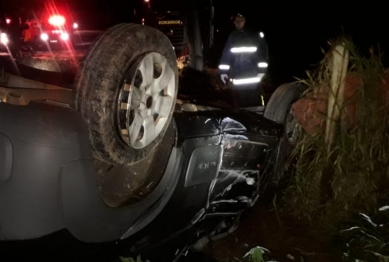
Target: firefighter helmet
{"points": [[238, 14]]}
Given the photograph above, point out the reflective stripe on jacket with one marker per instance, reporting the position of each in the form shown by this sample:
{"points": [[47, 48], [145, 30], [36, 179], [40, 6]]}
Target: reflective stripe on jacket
{"points": [[245, 55]]}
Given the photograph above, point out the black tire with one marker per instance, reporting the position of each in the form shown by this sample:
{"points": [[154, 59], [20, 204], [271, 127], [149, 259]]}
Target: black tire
{"points": [[281, 101], [107, 78], [278, 110]]}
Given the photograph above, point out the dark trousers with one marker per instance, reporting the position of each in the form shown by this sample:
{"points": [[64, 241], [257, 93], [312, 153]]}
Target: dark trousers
{"points": [[248, 95]]}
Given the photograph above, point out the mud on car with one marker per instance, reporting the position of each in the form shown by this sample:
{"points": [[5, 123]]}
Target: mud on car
{"points": [[118, 165]]}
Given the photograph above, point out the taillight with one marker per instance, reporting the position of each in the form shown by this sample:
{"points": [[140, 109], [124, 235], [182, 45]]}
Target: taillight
{"points": [[75, 25], [8, 21], [57, 20]]}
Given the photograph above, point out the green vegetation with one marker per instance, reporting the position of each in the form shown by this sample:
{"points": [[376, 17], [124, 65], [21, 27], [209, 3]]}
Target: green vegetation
{"points": [[327, 189]]}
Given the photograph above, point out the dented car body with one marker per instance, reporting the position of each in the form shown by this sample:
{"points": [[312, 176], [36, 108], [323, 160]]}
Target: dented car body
{"points": [[61, 189], [48, 177]]}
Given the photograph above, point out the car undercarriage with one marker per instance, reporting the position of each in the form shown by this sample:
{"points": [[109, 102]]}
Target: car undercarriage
{"points": [[117, 164]]}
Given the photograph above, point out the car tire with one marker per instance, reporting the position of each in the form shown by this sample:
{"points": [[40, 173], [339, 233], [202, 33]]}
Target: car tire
{"points": [[279, 110], [125, 89]]}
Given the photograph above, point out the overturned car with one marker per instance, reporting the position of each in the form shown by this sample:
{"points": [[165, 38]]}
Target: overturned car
{"points": [[119, 165]]}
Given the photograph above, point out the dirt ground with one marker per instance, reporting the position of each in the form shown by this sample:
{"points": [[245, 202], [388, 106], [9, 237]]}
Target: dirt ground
{"points": [[265, 226]]}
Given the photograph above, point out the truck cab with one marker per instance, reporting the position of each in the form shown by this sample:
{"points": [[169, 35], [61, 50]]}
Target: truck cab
{"points": [[173, 24], [189, 26]]}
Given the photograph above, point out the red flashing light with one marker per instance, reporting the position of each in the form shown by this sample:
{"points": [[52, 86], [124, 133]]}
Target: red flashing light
{"points": [[64, 36], [3, 39], [57, 20], [44, 37]]}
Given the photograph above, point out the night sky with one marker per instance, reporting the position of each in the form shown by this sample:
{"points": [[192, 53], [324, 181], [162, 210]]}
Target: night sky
{"points": [[295, 31]]}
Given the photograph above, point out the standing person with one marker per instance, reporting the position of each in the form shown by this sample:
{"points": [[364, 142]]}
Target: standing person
{"points": [[244, 63]]}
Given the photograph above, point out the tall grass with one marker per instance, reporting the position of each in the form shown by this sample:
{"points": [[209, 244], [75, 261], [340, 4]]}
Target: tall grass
{"points": [[326, 189]]}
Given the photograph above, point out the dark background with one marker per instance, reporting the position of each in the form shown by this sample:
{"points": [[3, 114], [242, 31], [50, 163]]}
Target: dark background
{"points": [[296, 31]]}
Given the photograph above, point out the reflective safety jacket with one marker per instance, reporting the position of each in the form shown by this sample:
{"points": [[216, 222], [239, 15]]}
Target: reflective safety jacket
{"points": [[245, 57]]}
